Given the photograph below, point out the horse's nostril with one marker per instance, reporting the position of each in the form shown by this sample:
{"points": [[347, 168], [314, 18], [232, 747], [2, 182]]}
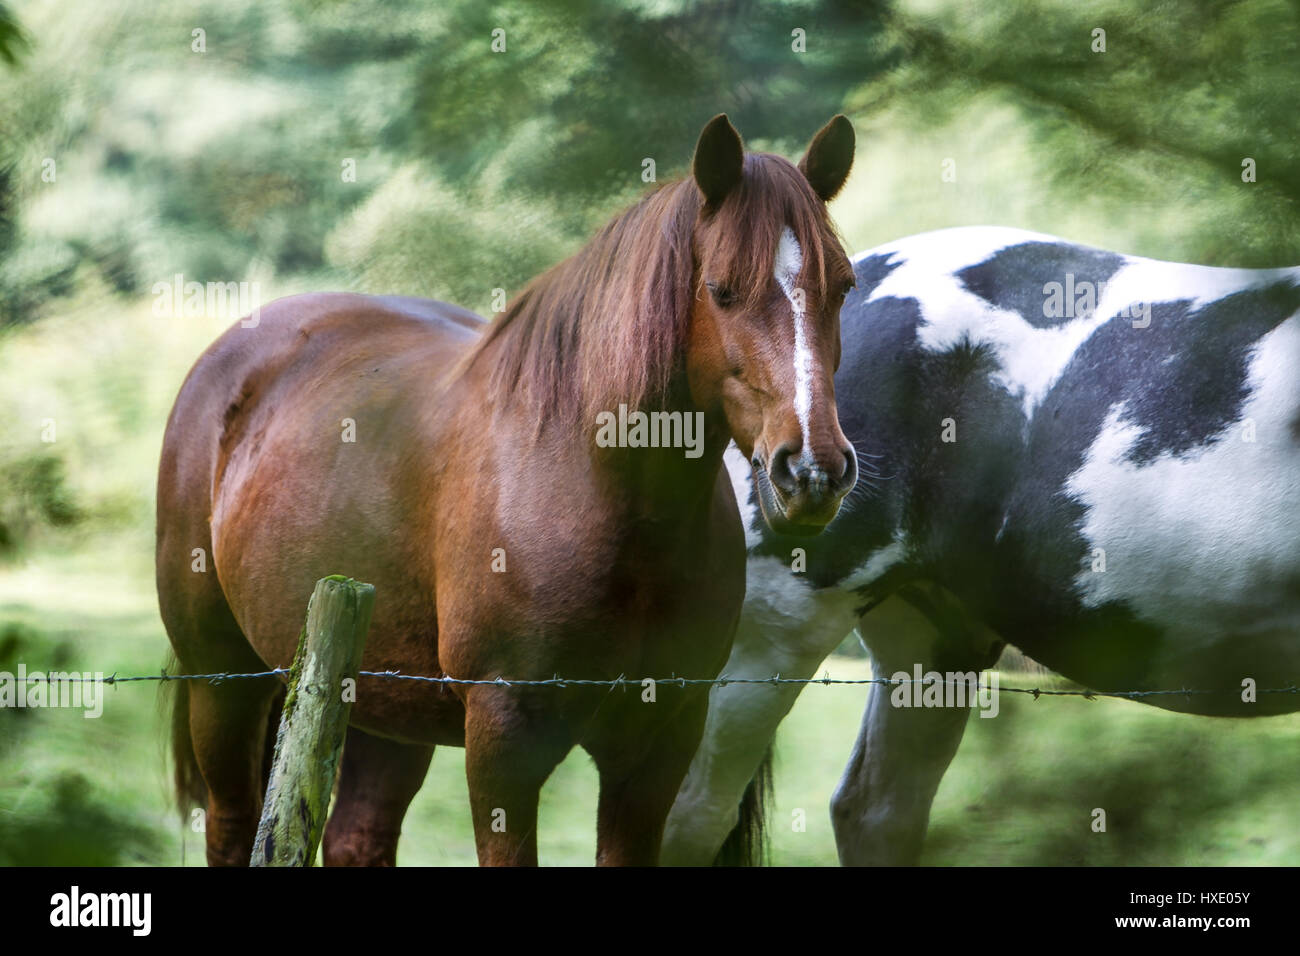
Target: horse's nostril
{"points": [[778, 469], [816, 482], [850, 473]]}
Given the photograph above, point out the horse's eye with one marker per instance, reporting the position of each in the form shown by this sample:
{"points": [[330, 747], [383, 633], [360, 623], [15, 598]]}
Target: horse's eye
{"points": [[721, 294], [848, 287]]}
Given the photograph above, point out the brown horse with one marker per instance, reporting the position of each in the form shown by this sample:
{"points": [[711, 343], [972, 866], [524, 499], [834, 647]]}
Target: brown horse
{"points": [[475, 475]]}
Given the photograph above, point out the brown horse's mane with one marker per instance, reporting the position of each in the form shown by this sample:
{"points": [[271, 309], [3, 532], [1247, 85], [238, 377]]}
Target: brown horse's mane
{"points": [[608, 325]]}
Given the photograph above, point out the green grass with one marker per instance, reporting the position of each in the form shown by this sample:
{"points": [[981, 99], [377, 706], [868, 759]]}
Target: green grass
{"points": [[1177, 790]]}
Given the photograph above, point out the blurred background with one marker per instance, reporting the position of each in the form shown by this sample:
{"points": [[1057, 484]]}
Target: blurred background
{"points": [[325, 144]]}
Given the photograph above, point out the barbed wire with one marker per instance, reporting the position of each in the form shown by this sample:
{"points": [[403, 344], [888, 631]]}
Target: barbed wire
{"points": [[722, 680]]}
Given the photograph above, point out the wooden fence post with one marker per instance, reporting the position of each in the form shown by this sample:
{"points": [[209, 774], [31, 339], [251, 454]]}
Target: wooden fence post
{"points": [[312, 725]]}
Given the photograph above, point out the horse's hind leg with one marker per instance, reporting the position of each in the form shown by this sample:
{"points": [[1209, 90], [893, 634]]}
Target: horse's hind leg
{"points": [[881, 808], [227, 722], [377, 781], [228, 727]]}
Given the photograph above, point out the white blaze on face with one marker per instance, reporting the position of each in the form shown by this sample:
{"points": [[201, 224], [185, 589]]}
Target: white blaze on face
{"points": [[789, 262]]}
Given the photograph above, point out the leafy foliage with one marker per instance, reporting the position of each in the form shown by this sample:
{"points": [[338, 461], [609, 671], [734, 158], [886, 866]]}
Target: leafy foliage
{"points": [[1180, 96], [13, 41]]}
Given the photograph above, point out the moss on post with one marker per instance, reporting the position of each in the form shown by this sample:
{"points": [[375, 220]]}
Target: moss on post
{"points": [[313, 723]]}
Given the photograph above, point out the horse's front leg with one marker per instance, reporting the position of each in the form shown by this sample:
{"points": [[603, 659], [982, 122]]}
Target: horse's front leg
{"points": [[881, 808], [637, 791], [513, 741], [742, 722]]}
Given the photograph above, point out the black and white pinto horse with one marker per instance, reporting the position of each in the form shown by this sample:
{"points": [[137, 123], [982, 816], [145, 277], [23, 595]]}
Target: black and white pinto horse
{"points": [[1091, 456]]}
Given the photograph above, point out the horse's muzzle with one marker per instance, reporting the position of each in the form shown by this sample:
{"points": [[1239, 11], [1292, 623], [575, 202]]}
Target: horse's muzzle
{"points": [[800, 495]]}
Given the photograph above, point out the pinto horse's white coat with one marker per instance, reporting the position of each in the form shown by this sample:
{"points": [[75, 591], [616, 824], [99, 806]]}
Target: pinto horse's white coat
{"points": [[1229, 509], [1201, 539]]}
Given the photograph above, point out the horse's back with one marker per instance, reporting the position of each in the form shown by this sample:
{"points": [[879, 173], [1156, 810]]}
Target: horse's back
{"points": [[281, 334], [294, 343], [1120, 486]]}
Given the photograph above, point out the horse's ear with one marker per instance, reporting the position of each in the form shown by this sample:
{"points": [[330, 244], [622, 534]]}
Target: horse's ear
{"points": [[829, 157], [719, 160]]}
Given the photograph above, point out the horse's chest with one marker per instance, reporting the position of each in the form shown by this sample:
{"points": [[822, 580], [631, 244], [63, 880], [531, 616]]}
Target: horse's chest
{"points": [[640, 580]]}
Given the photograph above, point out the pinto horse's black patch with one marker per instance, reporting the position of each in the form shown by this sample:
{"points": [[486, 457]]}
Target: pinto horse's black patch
{"points": [[1198, 388], [1014, 278], [1182, 380], [870, 272]]}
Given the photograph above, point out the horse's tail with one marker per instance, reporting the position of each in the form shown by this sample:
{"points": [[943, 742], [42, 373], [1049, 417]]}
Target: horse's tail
{"points": [[746, 844], [191, 790]]}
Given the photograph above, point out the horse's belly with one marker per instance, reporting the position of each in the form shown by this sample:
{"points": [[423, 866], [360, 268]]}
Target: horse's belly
{"points": [[1245, 674]]}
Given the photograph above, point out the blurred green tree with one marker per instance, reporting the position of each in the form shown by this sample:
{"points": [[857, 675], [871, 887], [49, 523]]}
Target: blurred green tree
{"points": [[581, 91], [1122, 96], [13, 41], [479, 168]]}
